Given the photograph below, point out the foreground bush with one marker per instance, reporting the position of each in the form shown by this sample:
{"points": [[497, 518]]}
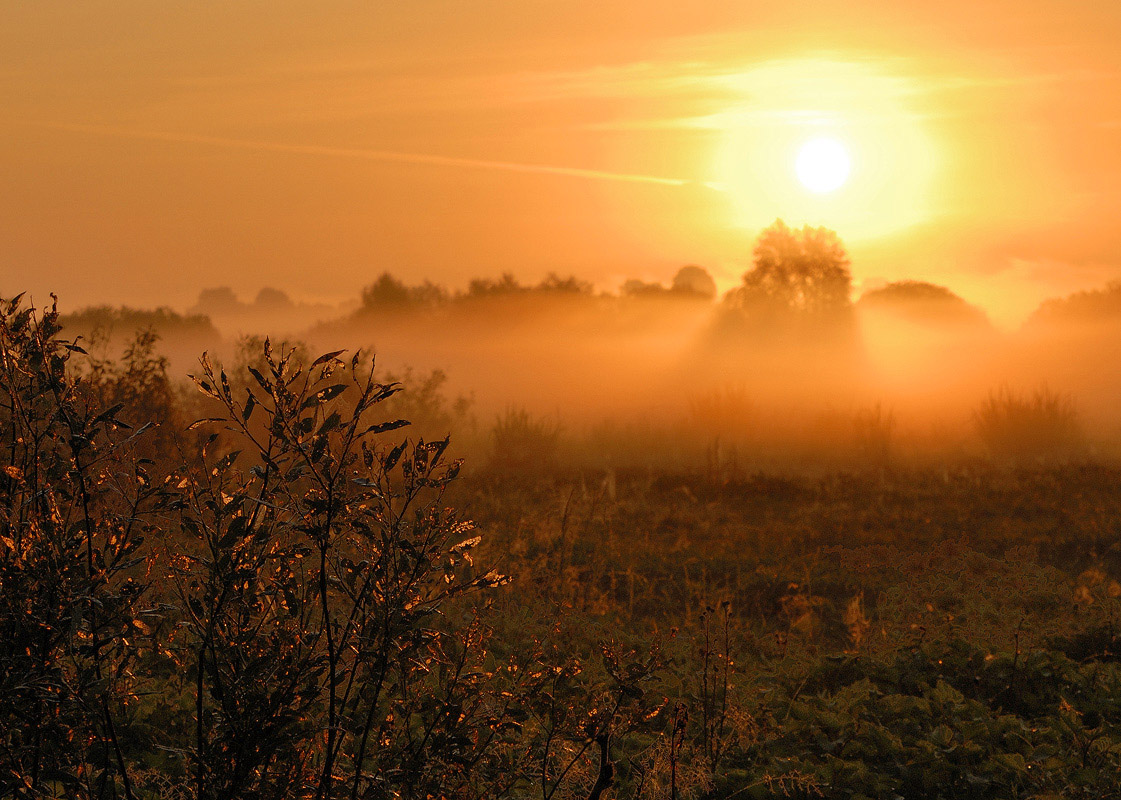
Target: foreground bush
{"points": [[75, 510], [284, 641]]}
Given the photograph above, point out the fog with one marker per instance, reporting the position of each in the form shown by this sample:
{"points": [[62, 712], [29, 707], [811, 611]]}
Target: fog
{"points": [[674, 375]]}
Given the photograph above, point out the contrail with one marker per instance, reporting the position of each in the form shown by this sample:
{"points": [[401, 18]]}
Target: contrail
{"points": [[370, 155]]}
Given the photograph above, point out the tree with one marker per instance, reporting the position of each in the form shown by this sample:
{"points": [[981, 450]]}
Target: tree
{"points": [[1097, 305], [389, 293], [923, 303], [486, 287], [270, 299], [690, 283], [220, 300], [692, 280], [801, 271]]}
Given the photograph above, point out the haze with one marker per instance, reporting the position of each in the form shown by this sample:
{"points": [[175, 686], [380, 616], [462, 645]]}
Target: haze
{"points": [[149, 151]]}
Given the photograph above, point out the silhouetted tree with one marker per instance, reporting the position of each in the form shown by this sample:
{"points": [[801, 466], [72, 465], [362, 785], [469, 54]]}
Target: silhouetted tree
{"points": [[694, 280], [389, 292], [639, 288], [923, 302], [220, 300], [273, 300], [1097, 305], [486, 287], [570, 285], [803, 271], [124, 320], [691, 283]]}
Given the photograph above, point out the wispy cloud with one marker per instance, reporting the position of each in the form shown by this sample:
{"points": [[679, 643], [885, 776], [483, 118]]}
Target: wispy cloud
{"points": [[365, 154], [722, 95]]}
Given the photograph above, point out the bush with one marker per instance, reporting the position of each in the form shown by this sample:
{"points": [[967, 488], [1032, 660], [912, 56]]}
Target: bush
{"points": [[319, 564], [1036, 428], [297, 645], [522, 442], [75, 508]]}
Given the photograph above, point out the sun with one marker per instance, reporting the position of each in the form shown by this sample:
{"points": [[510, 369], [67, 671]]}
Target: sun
{"points": [[822, 165], [827, 142]]}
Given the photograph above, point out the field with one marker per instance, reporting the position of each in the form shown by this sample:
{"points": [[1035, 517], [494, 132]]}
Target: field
{"points": [[290, 597]]}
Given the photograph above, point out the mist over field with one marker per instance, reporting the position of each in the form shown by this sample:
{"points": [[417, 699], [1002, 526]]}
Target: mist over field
{"points": [[909, 364]]}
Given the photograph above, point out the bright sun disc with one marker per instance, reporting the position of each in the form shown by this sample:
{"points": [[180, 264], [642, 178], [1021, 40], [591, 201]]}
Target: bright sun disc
{"points": [[822, 165]]}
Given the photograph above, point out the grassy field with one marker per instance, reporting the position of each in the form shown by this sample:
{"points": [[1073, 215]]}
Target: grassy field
{"points": [[290, 598]]}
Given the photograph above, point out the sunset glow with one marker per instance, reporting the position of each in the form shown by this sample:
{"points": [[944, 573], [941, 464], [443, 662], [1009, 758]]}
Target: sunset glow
{"points": [[573, 399], [879, 183], [302, 151], [822, 165]]}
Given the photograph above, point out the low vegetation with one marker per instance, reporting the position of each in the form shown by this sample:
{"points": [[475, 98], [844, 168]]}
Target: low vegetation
{"points": [[270, 588]]}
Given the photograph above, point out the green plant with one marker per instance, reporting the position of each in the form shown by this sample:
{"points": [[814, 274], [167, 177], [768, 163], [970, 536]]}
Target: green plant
{"points": [[75, 507], [314, 589]]}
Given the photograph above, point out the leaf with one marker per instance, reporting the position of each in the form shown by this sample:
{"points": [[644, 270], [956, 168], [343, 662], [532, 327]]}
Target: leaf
{"points": [[108, 414], [324, 395], [385, 391], [205, 387], [323, 359], [393, 456], [466, 544], [329, 424], [250, 404], [257, 376], [199, 422], [383, 427], [227, 460]]}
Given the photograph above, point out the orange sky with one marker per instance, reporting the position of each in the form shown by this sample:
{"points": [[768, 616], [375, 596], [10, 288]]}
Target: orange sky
{"points": [[148, 150]]}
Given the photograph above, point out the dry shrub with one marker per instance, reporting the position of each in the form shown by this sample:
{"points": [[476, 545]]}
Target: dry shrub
{"points": [[522, 441], [873, 430], [728, 411], [1038, 428]]}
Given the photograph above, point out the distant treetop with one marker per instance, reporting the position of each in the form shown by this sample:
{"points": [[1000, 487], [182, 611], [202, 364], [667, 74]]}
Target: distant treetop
{"points": [[389, 292], [923, 302], [220, 300], [273, 299], [489, 287], [122, 320], [690, 282], [796, 271], [694, 280], [1096, 305]]}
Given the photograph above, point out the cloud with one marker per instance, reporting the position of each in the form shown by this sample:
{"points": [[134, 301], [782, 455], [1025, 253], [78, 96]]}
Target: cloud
{"points": [[366, 154]]}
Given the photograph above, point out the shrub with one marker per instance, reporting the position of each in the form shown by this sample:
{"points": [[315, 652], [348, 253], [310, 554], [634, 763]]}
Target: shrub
{"points": [[75, 507], [520, 441], [1039, 427], [873, 431], [313, 590]]}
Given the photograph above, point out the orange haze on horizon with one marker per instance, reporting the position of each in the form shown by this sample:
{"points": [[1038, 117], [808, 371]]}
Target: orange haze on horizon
{"points": [[149, 151]]}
